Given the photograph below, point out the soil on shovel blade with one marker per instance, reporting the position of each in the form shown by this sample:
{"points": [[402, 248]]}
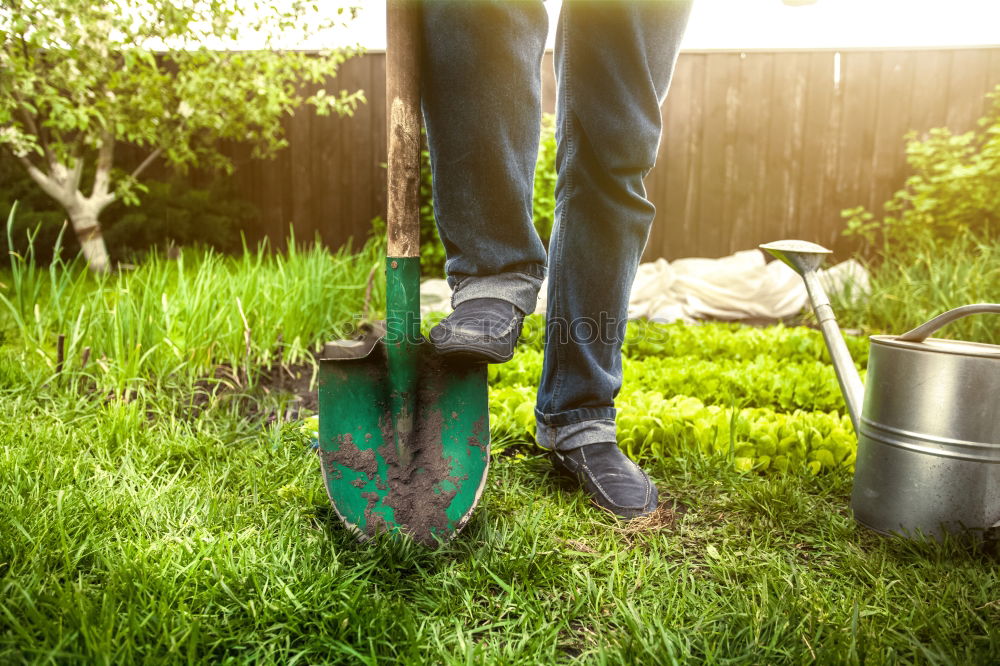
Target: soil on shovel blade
{"points": [[414, 490]]}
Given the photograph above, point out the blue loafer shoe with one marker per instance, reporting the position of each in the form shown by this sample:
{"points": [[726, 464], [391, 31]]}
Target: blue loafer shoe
{"points": [[480, 329], [613, 482]]}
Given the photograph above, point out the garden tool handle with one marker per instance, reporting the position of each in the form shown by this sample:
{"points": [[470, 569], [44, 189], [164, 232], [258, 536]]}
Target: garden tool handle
{"points": [[920, 333], [403, 105]]}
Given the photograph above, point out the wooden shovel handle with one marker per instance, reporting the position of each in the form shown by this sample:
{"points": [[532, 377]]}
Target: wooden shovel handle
{"points": [[403, 104]]}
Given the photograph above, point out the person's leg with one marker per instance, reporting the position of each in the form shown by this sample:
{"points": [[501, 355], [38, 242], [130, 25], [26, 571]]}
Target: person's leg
{"points": [[482, 108], [614, 62]]}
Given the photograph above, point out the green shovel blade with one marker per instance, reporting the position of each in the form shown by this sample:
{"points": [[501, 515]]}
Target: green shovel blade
{"points": [[404, 436]]}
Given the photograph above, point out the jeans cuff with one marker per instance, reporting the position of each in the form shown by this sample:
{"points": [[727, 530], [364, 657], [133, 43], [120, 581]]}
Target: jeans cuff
{"points": [[574, 435], [520, 289]]}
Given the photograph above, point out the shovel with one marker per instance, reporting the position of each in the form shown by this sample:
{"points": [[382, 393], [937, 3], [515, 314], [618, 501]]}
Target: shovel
{"points": [[403, 431]]}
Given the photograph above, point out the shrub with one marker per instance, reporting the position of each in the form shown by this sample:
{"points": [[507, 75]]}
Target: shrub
{"points": [[173, 212], [936, 245], [954, 189]]}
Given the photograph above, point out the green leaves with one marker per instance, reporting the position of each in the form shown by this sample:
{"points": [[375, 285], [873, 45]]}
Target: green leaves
{"points": [[953, 189], [760, 398], [175, 78]]}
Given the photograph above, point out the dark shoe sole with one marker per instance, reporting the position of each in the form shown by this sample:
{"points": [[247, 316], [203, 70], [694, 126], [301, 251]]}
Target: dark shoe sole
{"points": [[472, 354]]}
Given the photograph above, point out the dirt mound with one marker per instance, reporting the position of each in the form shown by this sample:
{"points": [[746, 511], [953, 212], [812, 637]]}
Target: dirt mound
{"points": [[260, 391]]}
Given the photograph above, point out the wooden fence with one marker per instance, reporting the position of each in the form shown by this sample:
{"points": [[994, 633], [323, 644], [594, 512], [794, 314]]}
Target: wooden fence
{"points": [[757, 145]]}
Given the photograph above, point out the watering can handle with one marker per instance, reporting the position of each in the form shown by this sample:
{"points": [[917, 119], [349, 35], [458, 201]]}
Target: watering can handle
{"points": [[403, 110], [920, 333]]}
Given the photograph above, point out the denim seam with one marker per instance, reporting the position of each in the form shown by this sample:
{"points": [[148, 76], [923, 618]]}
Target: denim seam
{"points": [[460, 280], [608, 414], [539, 276], [570, 152]]}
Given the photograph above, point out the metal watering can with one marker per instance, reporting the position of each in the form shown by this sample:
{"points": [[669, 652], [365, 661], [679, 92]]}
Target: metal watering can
{"points": [[928, 423]]}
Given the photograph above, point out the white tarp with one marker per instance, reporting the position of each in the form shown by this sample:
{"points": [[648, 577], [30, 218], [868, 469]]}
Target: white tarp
{"points": [[741, 286]]}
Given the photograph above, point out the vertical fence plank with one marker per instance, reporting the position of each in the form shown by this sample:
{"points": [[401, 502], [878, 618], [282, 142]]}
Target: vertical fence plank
{"points": [[694, 226], [743, 205], [860, 73], [966, 74], [672, 185], [783, 104], [340, 169], [993, 78], [819, 143], [673, 224], [299, 147], [828, 222], [378, 150], [800, 162], [929, 106], [892, 122], [720, 88], [360, 124]]}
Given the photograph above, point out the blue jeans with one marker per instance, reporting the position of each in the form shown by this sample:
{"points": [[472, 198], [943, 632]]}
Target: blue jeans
{"points": [[482, 110]]}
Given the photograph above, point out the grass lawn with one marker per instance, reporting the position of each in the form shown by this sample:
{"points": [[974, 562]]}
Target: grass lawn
{"points": [[139, 523]]}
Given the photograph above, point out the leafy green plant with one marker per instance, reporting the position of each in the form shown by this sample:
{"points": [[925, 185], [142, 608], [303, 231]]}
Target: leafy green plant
{"points": [[764, 381], [432, 254], [652, 427], [766, 399], [954, 189]]}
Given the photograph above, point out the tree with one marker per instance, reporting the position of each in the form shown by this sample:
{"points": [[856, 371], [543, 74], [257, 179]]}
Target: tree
{"points": [[78, 77]]}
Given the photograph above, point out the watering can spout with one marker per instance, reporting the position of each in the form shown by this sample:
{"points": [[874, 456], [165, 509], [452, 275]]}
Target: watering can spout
{"points": [[805, 258]]}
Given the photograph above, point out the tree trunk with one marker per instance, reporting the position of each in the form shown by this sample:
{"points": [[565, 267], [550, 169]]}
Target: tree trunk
{"points": [[63, 185], [88, 232]]}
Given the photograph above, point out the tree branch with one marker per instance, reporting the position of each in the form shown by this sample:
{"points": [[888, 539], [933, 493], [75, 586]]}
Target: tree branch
{"points": [[29, 119], [105, 155], [33, 127], [77, 169], [48, 184], [145, 163]]}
